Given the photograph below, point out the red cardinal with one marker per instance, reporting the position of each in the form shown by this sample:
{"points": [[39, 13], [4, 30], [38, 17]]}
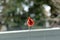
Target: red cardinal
{"points": [[30, 22]]}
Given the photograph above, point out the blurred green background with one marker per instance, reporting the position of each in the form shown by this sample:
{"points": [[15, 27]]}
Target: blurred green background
{"points": [[14, 13]]}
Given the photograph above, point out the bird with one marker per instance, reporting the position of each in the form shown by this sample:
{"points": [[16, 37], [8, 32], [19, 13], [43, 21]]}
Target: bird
{"points": [[30, 22]]}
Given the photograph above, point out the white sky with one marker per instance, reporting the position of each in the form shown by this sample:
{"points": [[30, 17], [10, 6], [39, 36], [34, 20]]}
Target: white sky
{"points": [[47, 10]]}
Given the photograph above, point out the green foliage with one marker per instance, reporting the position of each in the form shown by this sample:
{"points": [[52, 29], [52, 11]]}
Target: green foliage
{"points": [[10, 8]]}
